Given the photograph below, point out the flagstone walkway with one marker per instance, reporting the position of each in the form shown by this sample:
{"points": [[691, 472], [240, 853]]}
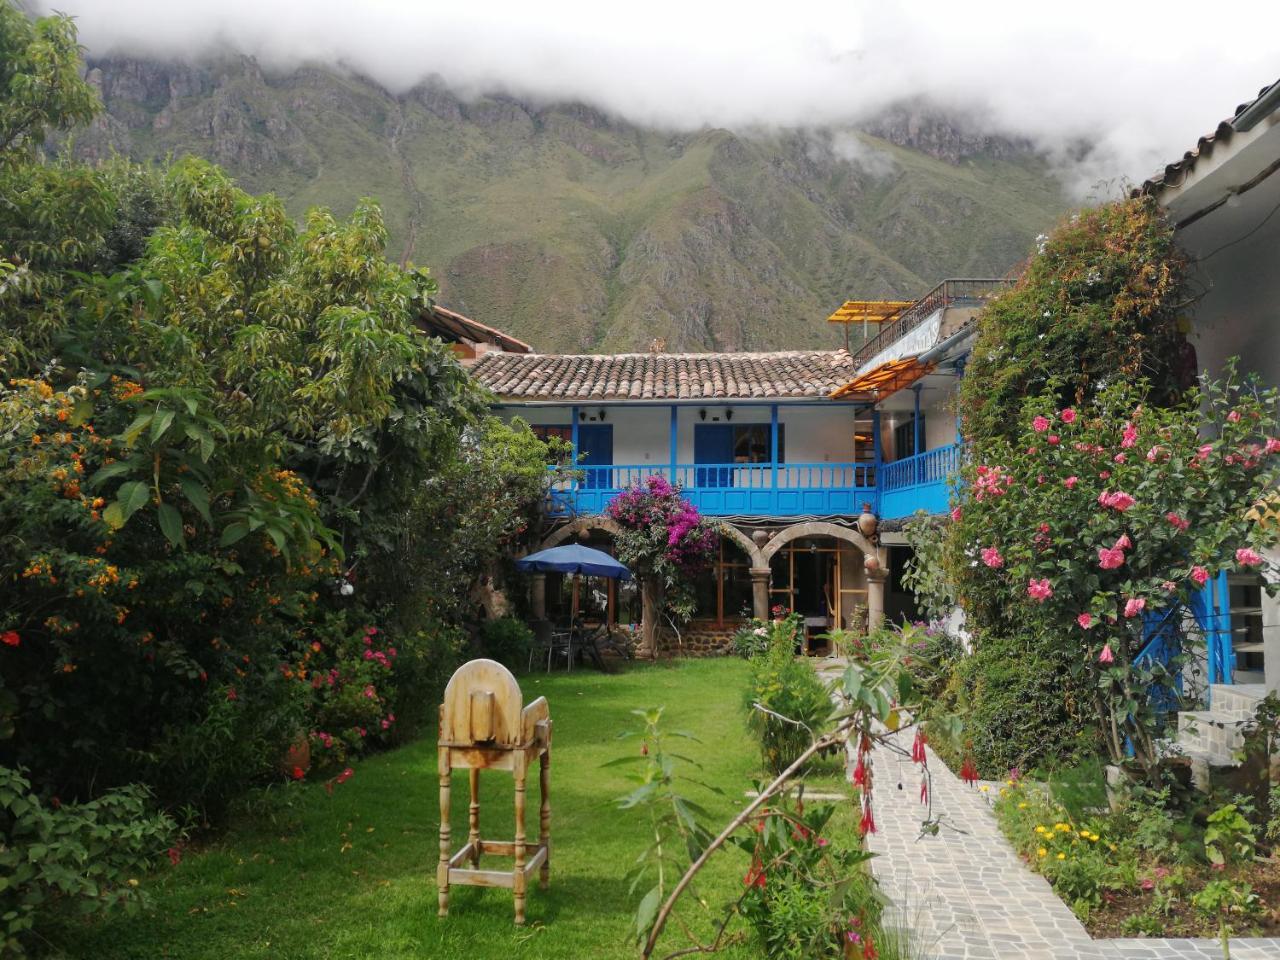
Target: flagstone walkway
{"points": [[966, 892]]}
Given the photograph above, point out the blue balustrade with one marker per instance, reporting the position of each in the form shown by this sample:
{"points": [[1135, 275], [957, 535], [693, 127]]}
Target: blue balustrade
{"points": [[918, 483]]}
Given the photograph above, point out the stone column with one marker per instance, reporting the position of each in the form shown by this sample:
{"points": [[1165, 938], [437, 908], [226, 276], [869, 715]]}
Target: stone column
{"points": [[760, 592], [538, 596], [876, 566]]}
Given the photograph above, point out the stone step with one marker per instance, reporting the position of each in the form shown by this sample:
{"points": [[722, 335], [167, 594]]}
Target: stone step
{"points": [[1210, 731], [1237, 701]]}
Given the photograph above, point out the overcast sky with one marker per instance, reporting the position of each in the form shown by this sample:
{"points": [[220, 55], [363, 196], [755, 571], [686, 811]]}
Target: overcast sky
{"points": [[1139, 79]]}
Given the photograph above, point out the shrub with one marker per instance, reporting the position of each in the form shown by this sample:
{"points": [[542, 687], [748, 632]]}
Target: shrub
{"points": [[506, 640], [751, 638], [789, 688], [87, 854]]}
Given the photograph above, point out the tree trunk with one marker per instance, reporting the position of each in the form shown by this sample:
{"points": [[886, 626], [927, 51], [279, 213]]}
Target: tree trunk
{"points": [[650, 604]]}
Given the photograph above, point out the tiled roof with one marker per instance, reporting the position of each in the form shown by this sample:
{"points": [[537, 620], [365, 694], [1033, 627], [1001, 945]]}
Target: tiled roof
{"points": [[1173, 174], [664, 376], [441, 320]]}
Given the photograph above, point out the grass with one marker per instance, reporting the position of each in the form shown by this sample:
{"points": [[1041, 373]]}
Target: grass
{"points": [[352, 874]]}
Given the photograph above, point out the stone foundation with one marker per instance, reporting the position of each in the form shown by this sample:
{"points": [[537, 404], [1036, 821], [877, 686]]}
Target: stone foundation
{"points": [[699, 640]]}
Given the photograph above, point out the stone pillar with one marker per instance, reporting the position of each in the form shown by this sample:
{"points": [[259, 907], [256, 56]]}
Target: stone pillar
{"points": [[876, 565], [538, 596], [760, 592]]}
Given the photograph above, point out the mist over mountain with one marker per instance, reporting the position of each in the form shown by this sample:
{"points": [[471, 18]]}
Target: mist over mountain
{"points": [[580, 231]]}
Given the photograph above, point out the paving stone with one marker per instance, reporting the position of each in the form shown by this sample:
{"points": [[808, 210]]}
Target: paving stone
{"points": [[966, 891]]}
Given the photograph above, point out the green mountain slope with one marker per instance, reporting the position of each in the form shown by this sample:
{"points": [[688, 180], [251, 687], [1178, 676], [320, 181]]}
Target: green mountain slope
{"points": [[581, 232]]}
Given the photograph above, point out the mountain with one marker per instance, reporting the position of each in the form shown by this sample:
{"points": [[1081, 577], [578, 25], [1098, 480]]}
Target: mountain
{"points": [[579, 231]]}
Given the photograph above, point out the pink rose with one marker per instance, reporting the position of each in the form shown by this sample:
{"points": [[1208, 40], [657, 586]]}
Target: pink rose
{"points": [[1071, 482], [1106, 656], [1040, 424], [1248, 557], [991, 557], [1177, 521], [955, 514], [1054, 439], [1068, 415], [1039, 589], [1168, 586], [1204, 451], [1200, 575], [1124, 543], [1085, 620], [1119, 500], [1134, 606], [1110, 559], [1120, 458], [1273, 445], [1152, 454], [1105, 475], [1130, 436], [1234, 416]]}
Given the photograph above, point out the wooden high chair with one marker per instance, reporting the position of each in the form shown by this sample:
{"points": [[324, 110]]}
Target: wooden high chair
{"points": [[483, 726]]}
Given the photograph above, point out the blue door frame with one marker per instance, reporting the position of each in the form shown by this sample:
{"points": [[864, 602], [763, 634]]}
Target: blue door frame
{"points": [[595, 442]]}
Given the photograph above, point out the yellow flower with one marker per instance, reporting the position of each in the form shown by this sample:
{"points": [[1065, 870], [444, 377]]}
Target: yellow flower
{"points": [[1042, 852], [1062, 856], [1022, 806], [1112, 846], [1041, 829], [984, 788]]}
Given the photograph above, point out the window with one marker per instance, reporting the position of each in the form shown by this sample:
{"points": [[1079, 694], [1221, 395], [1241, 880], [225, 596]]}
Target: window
{"points": [[545, 433], [904, 438], [751, 443]]}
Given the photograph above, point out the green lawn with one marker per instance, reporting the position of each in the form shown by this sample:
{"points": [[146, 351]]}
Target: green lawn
{"points": [[353, 874]]}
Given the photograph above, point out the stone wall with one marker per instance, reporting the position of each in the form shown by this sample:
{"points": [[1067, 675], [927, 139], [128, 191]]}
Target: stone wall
{"points": [[699, 640]]}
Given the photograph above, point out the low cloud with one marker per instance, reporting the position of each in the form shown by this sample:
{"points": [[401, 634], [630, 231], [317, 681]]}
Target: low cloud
{"points": [[1110, 90]]}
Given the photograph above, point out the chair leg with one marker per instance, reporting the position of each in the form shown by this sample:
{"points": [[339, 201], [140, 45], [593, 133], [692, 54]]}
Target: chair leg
{"points": [[544, 816], [473, 818], [518, 884], [442, 870]]}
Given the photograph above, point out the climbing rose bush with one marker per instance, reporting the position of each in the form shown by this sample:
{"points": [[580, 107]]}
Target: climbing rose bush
{"points": [[1094, 519]]}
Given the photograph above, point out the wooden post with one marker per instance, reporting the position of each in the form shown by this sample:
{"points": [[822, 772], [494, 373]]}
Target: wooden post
{"points": [[442, 871], [518, 878], [473, 817], [544, 817]]}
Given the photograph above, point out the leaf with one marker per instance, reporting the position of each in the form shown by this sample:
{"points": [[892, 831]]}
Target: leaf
{"points": [[233, 533], [136, 428], [171, 524], [201, 436], [131, 496], [160, 423], [111, 470], [113, 516], [198, 497], [647, 912]]}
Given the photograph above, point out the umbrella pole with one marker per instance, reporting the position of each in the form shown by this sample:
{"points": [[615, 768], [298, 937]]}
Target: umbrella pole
{"points": [[573, 616]]}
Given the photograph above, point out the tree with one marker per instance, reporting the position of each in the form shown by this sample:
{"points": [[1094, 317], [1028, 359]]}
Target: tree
{"points": [[665, 544]]}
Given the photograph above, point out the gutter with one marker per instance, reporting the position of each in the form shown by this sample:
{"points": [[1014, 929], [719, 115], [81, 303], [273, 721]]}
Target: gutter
{"points": [[1257, 111], [938, 351]]}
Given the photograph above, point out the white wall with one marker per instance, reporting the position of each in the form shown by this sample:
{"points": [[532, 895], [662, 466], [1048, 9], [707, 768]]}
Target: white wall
{"points": [[641, 434]]}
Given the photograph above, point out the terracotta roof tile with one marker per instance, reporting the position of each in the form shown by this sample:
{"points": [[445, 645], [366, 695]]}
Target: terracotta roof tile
{"points": [[664, 376]]}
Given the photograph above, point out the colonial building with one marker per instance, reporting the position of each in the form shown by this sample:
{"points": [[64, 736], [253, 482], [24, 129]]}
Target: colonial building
{"points": [[1224, 199], [787, 449]]}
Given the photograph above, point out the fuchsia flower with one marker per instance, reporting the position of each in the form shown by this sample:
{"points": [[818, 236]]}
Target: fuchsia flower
{"points": [[1106, 656], [1200, 575], [991, 557], [1177, 521], [1124, 543], [1110, 559], [1085, 620], [1071, 482], [1248, 557], [1068, 415], [1134, 606], [1040, 424], [1039, 589]]}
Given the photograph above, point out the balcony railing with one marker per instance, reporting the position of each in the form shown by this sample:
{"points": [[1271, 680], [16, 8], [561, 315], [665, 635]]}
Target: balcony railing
{"points": [[964, 292], [728, 489]]}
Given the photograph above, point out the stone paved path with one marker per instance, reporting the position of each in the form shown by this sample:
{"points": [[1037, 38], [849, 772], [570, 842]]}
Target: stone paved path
{"points": [[969, 895]]}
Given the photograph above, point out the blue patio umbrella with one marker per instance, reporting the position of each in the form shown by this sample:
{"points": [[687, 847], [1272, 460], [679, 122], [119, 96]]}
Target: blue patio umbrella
{"points": [[576, 559]]}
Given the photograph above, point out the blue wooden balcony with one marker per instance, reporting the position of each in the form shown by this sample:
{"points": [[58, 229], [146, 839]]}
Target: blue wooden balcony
{"points": [[918, 483], [729, 489]]}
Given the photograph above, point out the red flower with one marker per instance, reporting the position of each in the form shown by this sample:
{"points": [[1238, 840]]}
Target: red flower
{"points": [[231, 693], [345, 775], [175, 855], [924, 790], [969, 771], [298, 773], [868, 822], [10, 638], [859, 772], [917, 747]]}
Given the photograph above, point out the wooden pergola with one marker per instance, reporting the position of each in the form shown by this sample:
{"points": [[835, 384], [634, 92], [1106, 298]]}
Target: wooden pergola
{"points": [[886, 379], [867, 312]]}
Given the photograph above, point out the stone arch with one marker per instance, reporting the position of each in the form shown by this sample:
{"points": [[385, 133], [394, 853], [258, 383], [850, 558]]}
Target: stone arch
{"points": [[816, 528], [742, 540], [579, 526]]}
